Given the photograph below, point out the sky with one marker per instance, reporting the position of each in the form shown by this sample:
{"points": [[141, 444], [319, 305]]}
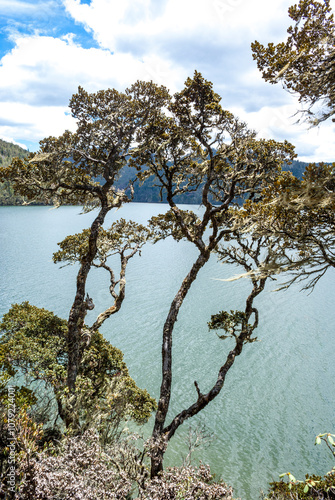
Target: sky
{"points": [[50, 47]]}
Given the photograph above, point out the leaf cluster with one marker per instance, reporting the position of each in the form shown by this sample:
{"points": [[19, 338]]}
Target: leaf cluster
{"points": [[296, 217], [313, 487], [122, 237], [231, 323], [165, 225], [33, 343]]}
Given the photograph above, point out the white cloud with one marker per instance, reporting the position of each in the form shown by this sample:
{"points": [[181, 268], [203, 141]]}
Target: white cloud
{"points": [[29, 123], [38, 77], [36, 8], [317, 144], [9, 6], [162, 40], [281, 122], [225, 20], [40, 67]]}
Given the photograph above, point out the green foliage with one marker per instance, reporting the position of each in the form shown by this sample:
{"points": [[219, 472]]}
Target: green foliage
{"points": [[7, 195], [313, 487], [33, 344], [165, 225], [232, 323], [123, 236], [327, 438], [8, 151]]}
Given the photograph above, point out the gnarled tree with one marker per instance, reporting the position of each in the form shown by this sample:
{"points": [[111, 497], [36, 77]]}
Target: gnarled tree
{"points": [[199, 146], [81, 168]]}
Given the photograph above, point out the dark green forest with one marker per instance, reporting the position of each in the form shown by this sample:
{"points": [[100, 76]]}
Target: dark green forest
{"points": [[8, 151]]}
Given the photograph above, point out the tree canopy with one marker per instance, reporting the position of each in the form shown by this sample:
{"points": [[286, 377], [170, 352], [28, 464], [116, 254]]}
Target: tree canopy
{"points": [[305, 63], [33, 345]]}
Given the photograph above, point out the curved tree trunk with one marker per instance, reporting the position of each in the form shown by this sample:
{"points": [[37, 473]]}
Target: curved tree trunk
{"points": [[161, 434], [158, 448]]}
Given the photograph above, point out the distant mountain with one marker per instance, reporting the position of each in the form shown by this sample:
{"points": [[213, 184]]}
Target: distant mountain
{"points": [[147, 193], [8, 151], [150, 193], [297, 168]]}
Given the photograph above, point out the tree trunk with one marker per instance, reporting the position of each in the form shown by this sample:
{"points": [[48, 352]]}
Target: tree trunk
{"points": [[165, 391], [79, 307], [161, 434]]}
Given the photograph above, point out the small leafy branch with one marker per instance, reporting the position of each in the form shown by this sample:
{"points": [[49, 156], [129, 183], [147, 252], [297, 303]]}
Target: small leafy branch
{"points": [[315, 483], [328, 439]]}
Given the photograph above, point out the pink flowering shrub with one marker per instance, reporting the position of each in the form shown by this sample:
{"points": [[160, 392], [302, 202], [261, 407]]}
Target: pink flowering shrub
{"points": [[78, 470]]}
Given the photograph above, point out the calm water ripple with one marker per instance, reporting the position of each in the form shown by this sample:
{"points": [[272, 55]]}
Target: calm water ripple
{"points": [[280, 392]]}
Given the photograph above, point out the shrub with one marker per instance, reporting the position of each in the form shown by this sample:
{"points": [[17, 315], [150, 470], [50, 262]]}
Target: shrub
{"points": [[185, 483]]}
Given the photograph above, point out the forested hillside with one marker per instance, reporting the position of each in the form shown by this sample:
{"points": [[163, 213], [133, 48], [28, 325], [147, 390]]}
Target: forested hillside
{"points": [[297, 168], [148, 193], [7, 152]]}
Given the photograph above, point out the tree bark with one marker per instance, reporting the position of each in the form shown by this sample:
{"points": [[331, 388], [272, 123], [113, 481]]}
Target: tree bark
{"points": [[79, 309], [118, 298], [161, 434], [165, 391]]}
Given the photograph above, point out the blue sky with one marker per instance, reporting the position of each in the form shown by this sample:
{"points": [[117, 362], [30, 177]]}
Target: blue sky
{"points": [[48, 48]]}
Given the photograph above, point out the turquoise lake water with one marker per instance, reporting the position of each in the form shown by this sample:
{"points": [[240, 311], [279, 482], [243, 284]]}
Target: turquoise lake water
{"points": [[280, 392]]}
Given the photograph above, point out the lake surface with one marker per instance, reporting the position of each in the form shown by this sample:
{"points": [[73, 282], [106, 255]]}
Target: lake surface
{"points": [[280, 392]]}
